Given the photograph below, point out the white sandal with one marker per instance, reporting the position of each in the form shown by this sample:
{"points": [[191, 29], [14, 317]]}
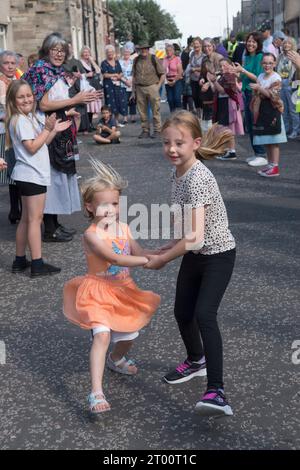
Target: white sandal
{"points": [[123, 362], [93, 401]]}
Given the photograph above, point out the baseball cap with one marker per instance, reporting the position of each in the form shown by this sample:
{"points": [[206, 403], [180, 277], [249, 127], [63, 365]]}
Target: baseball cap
{"points": [[279, 35], [265, 26]]}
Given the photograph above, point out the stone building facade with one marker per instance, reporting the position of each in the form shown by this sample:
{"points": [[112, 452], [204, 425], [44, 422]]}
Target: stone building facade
{"points": [[281, 13], [25, 23], [292, 17]]}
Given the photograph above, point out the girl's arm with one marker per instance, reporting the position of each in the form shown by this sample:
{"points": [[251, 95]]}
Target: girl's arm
{"points": [[100, 248], [32, 146], [218, 87], [192, 241], [239, 69], [138, 250]]}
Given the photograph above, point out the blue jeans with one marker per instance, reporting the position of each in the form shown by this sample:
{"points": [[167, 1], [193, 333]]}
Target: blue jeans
{"points": [[290, 117], [174, 95], [258, 149]]}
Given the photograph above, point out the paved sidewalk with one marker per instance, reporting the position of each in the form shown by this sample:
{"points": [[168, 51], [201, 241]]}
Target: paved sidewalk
{"points": [[45, 380]]}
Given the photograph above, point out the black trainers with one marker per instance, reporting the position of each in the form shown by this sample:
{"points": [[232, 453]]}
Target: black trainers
{"points": [[185, 371], [67, 230], [44, 270], [18, 267], [57, 236], [227, 156], [214, 403], [155, 135]]}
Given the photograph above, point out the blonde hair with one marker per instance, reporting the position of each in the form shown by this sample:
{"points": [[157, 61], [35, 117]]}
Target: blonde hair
{"points": [[291, 41], [105, 177], [85, 48], [215, 142], [11, 111]]}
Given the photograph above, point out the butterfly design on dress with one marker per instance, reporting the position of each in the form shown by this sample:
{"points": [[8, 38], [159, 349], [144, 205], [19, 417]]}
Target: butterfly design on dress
{"points": [[115, 270]]}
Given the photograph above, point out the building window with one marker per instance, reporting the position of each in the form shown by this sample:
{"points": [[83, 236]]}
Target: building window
{"points": [[2, 37]]}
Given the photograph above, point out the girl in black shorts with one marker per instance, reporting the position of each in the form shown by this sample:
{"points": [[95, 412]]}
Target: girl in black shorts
{"points": [[29, 135]]}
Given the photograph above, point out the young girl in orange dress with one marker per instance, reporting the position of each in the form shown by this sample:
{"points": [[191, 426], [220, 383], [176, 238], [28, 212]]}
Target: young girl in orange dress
{"points": [[106, 300]]}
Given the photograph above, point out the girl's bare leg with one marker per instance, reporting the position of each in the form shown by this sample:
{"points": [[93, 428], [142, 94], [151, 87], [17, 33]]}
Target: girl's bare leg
{"points": [[273, 153], [21, 233], [97, 362], [121, 348], [35, 209]]}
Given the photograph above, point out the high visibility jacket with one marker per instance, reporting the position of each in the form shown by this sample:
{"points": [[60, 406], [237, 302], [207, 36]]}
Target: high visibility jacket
{"points": [[298, 101], [231, 47]]}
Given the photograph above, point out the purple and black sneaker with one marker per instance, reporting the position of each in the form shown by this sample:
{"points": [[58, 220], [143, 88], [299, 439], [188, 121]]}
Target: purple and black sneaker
{"points": [[186, 371], [214, 403]]}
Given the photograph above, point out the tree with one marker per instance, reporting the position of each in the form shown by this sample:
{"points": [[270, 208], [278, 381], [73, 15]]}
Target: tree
{"points": [[144, 19]]}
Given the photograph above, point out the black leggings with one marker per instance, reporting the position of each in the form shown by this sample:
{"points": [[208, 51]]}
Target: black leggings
{"points": [[196, 92], [201, 284]]}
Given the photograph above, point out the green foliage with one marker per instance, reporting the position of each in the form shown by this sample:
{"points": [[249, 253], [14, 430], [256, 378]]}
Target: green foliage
{"points": [[144, 19]]}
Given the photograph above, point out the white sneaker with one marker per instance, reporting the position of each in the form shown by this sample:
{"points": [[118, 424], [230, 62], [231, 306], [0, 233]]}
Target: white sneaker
{"points": [[293, 135], [249, 159], [258, 161]]}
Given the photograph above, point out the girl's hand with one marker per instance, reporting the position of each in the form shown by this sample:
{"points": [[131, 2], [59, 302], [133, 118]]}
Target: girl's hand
{"points": [[72, 113], [255, 86], [50, 122], [201, 82], [238, 68], [89, 74], [211, 76], [61, 126], [205, 87], [3, 164], [155, 262]]}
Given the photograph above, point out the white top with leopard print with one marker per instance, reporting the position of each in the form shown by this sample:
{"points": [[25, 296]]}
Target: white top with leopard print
{"points": [[198, 187]]}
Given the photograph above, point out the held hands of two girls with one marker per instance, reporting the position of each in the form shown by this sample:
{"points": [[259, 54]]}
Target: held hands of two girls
{"points": [[255, 86]]}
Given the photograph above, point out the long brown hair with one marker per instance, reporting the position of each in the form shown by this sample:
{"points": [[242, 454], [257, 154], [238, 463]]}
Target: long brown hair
{"points": [[215, 142], [11, 110]]}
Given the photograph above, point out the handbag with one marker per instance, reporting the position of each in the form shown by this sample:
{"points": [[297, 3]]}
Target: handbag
{"points": [[269, 119], [10, 158]]}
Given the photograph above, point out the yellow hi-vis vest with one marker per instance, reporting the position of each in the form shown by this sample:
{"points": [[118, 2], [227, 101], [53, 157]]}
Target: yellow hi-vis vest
{"points": [[298, 101], [231, 48]]}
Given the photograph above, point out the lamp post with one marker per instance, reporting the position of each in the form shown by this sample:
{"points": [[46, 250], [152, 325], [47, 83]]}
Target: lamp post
{"points": [[227, 18]]}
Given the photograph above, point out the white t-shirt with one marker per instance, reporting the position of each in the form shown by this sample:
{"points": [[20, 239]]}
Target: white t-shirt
{"points": [[198, 187], [29, 168], [267, 82]]}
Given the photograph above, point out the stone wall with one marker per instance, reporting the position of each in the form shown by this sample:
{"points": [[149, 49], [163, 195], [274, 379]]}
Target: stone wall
{"points": [[80, 21]]}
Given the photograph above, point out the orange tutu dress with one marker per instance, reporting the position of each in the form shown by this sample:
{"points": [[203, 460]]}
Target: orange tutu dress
{"points": [[107, 295]]}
